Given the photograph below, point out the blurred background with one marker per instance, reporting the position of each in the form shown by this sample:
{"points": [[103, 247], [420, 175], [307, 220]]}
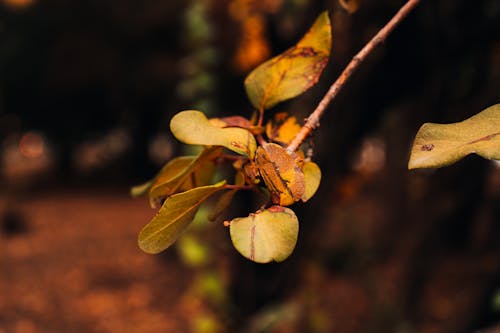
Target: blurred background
{"points": [[87, 88]]}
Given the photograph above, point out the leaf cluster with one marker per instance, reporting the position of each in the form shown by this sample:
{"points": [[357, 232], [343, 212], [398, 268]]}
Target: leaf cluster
{"points": [[257, 154]]}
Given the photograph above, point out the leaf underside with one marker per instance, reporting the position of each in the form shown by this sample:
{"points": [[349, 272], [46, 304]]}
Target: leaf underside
{"points": [[268, 235], [438, 145], [294, 71]]}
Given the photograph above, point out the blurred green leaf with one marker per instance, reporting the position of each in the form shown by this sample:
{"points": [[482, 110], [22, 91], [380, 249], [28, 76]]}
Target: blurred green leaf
{"points": [[192, 251], [193, 127], [267, 235], [438, 145], [174, 217], [138, 190], [312, 176], [294, 71]]}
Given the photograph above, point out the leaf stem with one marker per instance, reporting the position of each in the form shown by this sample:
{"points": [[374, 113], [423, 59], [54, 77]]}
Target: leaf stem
{"points": [[238, 187], [312, 121]]}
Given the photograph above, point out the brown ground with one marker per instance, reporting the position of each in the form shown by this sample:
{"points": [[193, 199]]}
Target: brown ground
{"points": [[77, 268]]}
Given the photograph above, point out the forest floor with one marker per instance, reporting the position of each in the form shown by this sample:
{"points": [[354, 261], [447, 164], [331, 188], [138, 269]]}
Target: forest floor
{"points": [[74, 266]]}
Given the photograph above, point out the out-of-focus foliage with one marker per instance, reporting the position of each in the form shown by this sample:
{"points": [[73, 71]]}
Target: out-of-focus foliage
{"points": [[350, 5], [437, 145]]}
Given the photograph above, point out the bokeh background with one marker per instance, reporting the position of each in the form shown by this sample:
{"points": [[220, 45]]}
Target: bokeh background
{"points": [[87, 88]]}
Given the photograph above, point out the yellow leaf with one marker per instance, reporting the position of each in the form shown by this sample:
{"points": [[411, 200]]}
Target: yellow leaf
{"points": [[175, 215], [312, 176], [283, 128], [267, 235], [294, 71], [438, 145], [282, 173], [192, 127]]}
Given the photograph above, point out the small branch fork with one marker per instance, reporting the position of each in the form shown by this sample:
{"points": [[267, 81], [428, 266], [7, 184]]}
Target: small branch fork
{"points": [[312, 121]]}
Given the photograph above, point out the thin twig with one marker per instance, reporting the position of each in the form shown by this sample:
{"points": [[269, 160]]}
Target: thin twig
{"points": [[312, 121]]}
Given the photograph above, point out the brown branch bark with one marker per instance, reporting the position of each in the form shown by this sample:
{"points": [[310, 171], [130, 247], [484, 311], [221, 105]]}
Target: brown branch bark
{"points": [[312, 121]]}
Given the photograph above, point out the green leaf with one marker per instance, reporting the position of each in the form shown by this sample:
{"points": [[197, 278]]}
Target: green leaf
{"points": [[184, 173], [312, 176], [267, 235], [438, 145], [193, 127], [175, 215], [294, 71]]}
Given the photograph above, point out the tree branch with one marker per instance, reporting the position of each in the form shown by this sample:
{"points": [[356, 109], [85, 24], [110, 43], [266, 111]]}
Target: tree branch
{"points": [[312, 121]]}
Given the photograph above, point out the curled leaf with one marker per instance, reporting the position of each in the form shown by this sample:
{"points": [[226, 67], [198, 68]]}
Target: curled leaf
{"points": [[267, 235], [175, 215], [282, 173], [283, 128], [312, 176], [294, 71], [438, 145], [184, 173], [193, 127]]}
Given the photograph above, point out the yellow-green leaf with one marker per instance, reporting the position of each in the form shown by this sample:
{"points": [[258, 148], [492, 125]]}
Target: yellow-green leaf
{"points": [[175, 215], [267, 235], [283, 128], [294, 71], [193, 127], [438, 145], [312, 176], [184, 173], [282, 173]]}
